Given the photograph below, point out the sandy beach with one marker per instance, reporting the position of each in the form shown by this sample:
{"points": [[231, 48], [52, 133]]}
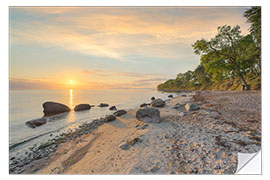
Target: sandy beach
{"points": [[205, 141]]}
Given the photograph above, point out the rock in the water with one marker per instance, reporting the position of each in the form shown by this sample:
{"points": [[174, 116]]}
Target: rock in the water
{"points": [[153, 98], [157, 103], [192, 107], [144, 104], [148, 115], [113, 108], [82, 107], [109, 118], [184, 95], [52, 108], [103, 105], [170, 96], [36, 122], [120, 112]]}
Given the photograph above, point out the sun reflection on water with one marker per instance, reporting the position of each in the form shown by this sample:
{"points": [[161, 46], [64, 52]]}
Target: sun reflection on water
{"points": [[71, 117], [71, 98]]}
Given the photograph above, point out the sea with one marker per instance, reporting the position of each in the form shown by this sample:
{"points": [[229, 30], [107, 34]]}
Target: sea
{"points": [[25, 105]]}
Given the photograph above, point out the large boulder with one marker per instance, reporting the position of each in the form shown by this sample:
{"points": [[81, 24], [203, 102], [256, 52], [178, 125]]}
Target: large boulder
{"points": [[52, 108], [36, 122], [148, 115], [120, 112], [103, 105], [191, 107], [157, 103], [82, 107]]}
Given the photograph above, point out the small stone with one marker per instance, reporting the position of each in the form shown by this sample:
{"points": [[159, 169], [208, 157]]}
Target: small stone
{"points": [[192, 107], [144, 126], [109, 118], [124, 146], [113, 108], [144, 104], [120, 112], [103, 105]]}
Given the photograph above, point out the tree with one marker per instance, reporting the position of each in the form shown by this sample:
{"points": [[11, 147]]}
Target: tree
{"points": [[253, 16], [226, 55], [200, 75]]}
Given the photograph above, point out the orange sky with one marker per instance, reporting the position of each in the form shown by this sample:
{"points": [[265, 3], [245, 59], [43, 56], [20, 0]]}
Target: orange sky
{"points": [[102, 48]]}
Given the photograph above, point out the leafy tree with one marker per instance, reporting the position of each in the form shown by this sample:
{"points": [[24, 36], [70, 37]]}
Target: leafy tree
{"points": [[201, 76], [225, 56], [253, 16]]}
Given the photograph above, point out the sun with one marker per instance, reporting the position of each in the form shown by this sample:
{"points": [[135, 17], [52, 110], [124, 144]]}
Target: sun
{"points": [[70, 81]]}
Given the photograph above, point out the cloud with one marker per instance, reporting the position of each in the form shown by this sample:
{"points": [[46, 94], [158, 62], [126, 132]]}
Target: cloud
{"points": [[22, 83], [119, 32], [103, 73], [99, 73]]}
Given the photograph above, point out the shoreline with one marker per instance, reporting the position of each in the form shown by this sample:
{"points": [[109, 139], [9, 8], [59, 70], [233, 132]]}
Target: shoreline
{"points": [[95, 149]]}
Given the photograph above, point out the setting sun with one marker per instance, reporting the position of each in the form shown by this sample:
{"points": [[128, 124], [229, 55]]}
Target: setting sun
{"points": [[71, 82]]}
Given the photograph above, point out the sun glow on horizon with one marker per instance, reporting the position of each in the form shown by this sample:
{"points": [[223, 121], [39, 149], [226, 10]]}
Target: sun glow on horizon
{"points": [[70, 81]]}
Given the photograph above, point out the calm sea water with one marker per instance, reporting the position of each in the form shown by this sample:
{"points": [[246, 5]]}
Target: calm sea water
{"points": [[26, 105]]}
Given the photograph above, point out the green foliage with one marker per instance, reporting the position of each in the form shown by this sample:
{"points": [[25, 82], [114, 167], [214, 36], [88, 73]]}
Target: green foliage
{"points": [[253, 16], [227, 61]]}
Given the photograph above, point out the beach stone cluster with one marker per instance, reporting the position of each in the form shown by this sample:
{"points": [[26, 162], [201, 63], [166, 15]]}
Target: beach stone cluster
{"points": [[17, 165], [189, 157]]}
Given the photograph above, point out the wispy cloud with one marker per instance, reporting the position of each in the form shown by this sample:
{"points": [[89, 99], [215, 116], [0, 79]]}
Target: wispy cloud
{"points": [[109, 47], [116, 33]]}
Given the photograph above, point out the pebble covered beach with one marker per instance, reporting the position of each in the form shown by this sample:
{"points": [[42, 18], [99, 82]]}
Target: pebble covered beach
{"points": [[201, 141]]}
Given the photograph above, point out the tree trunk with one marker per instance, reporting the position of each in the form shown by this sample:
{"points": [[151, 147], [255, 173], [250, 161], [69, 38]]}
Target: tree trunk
{"points": [[245, 85]]}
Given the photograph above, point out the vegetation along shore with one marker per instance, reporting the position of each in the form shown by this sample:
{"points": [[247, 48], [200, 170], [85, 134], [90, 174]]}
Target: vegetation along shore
{"points": [[229, 61]]}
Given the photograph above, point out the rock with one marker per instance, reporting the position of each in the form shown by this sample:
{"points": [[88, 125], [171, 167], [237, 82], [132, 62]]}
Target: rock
{"points": [[113, 108], [184, 95], [144, 104], [148, 115], [109, 118], [157, 103], [36, 122], [133, 141], [181, 114], [82, 107], [170, 96], [153, 98], [178, 106], [120, 112], [124, 146], [103, 105], [53, 108], [192, 107], [144, 126]]}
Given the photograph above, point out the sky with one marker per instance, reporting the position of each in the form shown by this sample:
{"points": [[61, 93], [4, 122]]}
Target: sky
{"points": [[107, 48]]}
